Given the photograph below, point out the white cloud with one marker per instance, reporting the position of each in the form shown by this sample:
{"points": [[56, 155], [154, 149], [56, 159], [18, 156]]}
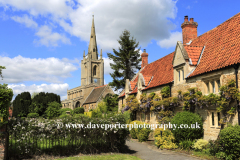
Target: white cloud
{"points": [[146, 20], [107, 67], [59, 89], [25, 20], [48, 38], [20, 69], [171, 41]]}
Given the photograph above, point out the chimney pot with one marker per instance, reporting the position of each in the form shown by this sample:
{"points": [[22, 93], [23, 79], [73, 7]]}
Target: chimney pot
{"points": [[191, 19], [186, 18]]}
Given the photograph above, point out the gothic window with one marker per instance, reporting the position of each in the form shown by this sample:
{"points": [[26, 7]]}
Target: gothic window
{"points": [[93, 49], [91, 36], [94, 70]]}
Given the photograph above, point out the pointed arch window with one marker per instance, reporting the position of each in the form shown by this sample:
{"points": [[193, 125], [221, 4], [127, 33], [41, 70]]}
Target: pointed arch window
{"points": [[94, 70]]}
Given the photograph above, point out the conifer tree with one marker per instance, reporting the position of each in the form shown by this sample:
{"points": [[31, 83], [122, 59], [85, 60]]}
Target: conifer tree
{"points": [[126, 60]]}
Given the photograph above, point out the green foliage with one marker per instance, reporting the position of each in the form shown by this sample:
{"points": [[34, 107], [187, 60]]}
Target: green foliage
{"points": [[214, 146], [53, 109], [79, 110], [103, 108], [63, 116], [33, 115], [1, 67], [80, 115], [166, 140], [126, 60], [229, 139], [21, 104], [188, 118], [165, 92], [30, 135], [6, 95], [111, 101], [34, 94], [127, 116], [186, 144], [40, 102], [200, 144], [63, 111], [132, 103], [139, 132]]}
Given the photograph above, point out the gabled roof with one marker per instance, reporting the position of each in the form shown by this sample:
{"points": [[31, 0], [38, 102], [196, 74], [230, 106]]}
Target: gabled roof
{"points": [[193, 53], [221, 46], [95, 94], [157, 73]]}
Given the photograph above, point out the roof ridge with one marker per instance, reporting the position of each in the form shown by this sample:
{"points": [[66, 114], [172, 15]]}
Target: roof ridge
{"points": [[218, 26]]}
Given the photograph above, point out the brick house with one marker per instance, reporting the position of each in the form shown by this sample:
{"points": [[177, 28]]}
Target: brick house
{"points": [[206, 62]]}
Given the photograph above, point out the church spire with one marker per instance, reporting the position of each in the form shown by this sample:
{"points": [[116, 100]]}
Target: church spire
{"points": [[92, 48]]}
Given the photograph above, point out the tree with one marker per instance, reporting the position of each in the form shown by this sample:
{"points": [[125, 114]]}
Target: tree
{"points": [[21, 104], [53, 109], [111, 101], [126, 61], [1, 67], [34, 94], [6, 95]]}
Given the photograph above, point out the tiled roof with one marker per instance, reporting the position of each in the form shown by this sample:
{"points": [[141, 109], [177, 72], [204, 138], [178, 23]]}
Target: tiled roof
{"points": [[158, 73], [221, 46], [133, 84], [122, 95], [193, 53], [95, 94]]}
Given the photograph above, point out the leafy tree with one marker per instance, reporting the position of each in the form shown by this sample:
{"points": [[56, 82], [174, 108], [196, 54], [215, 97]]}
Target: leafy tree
{"points": [[40, 102], [6, 95], [1, 67], [111, 101], [53, 109], [126, 60], [21, 104]]}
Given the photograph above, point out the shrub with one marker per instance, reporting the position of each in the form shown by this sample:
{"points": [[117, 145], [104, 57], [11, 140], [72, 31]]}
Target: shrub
{"points": [[214, 147], [53, 109], [64, 116], [229, 139], [186, 144], [164, 141], [80, 115], [33, 115], [200, 144], [188, 118], [79, 110], [127, 116], [89, 114], [141, 133], [63, 111]]}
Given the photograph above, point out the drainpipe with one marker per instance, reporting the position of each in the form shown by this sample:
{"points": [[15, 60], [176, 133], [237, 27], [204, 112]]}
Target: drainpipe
{"points": [[236, 75]]}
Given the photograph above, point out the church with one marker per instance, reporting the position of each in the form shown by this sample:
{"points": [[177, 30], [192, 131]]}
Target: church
{"points": [[92, 88]]}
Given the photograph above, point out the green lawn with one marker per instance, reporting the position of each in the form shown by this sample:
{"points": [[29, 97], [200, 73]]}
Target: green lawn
{"points": [[103, 157]]}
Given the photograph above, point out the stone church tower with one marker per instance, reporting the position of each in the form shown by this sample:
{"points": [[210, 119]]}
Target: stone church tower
{"points": [[92, 88], [92, 68]]}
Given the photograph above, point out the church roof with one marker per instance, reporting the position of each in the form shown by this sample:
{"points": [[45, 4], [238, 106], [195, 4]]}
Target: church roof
{"points": [[95, 94]]}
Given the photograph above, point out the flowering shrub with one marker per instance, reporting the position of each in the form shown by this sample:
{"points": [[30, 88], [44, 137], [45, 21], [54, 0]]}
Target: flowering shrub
{"points": [[166, 140], [33, 136], [132, 103], [33, 115], [200, 144]]}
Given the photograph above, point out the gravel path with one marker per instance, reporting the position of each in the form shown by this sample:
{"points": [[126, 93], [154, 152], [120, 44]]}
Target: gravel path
{"points": [[147, 152]]}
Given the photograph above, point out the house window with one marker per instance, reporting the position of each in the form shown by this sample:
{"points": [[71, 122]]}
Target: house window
{"points": [[218, 83], [179, 75], [183, 74], [212, 118], [213, 86], [218, 113]]}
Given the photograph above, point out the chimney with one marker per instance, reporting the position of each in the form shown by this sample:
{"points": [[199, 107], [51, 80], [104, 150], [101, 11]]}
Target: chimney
{"points": [[144, 56], [189, 30]]}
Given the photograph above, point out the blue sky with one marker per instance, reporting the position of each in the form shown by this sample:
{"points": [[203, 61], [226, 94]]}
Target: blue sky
{"points": [[42, 42]]}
